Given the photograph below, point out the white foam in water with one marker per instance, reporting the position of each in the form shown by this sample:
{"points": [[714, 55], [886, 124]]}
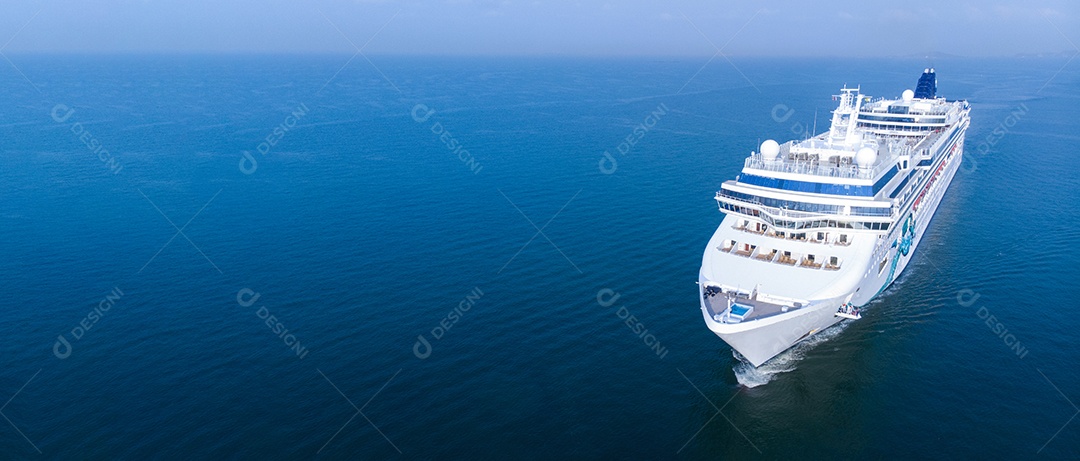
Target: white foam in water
{"points": [[786, 361]]}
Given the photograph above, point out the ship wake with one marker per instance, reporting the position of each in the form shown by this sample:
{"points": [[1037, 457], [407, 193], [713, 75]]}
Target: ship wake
{"points": [[787, 361]]}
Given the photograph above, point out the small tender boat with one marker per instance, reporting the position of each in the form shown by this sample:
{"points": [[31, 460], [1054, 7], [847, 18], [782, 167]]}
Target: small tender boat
{"points": [[848, 311]]}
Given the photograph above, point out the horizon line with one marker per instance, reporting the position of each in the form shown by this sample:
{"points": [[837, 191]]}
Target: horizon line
{"points": [[931, 55]]}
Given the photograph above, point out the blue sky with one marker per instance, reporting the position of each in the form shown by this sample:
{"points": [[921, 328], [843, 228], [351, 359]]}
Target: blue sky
{"points": [[483, 27]]}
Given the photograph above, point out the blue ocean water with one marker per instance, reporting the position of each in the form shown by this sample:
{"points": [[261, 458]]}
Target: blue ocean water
{"points": [[451, 263]]}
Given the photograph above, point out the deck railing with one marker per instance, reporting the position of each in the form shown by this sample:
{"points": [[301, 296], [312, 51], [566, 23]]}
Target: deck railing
{"points": [[816, 167]]}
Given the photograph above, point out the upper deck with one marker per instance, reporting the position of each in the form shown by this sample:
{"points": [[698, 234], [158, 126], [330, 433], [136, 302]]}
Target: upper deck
{"points": [[814, 157], [909, 116], [864, 142]]}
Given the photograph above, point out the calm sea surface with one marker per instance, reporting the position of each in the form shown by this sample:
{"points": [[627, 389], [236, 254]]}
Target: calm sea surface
{"points": [[279, 257]]}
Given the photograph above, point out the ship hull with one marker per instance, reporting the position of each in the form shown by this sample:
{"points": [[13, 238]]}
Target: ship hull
{"points": [[767, 340]]}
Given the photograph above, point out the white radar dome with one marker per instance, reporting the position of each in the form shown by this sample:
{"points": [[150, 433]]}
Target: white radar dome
{"points": [[908, 95], [866, 157], [770, 149]]}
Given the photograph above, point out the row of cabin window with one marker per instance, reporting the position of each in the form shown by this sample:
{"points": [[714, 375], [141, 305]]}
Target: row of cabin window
{"points": [[805, 186], [806, 207], [818, 187], [822, 223]]}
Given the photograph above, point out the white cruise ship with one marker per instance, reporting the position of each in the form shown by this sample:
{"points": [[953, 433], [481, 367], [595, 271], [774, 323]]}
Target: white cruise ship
{"points": [[814, 229]]}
